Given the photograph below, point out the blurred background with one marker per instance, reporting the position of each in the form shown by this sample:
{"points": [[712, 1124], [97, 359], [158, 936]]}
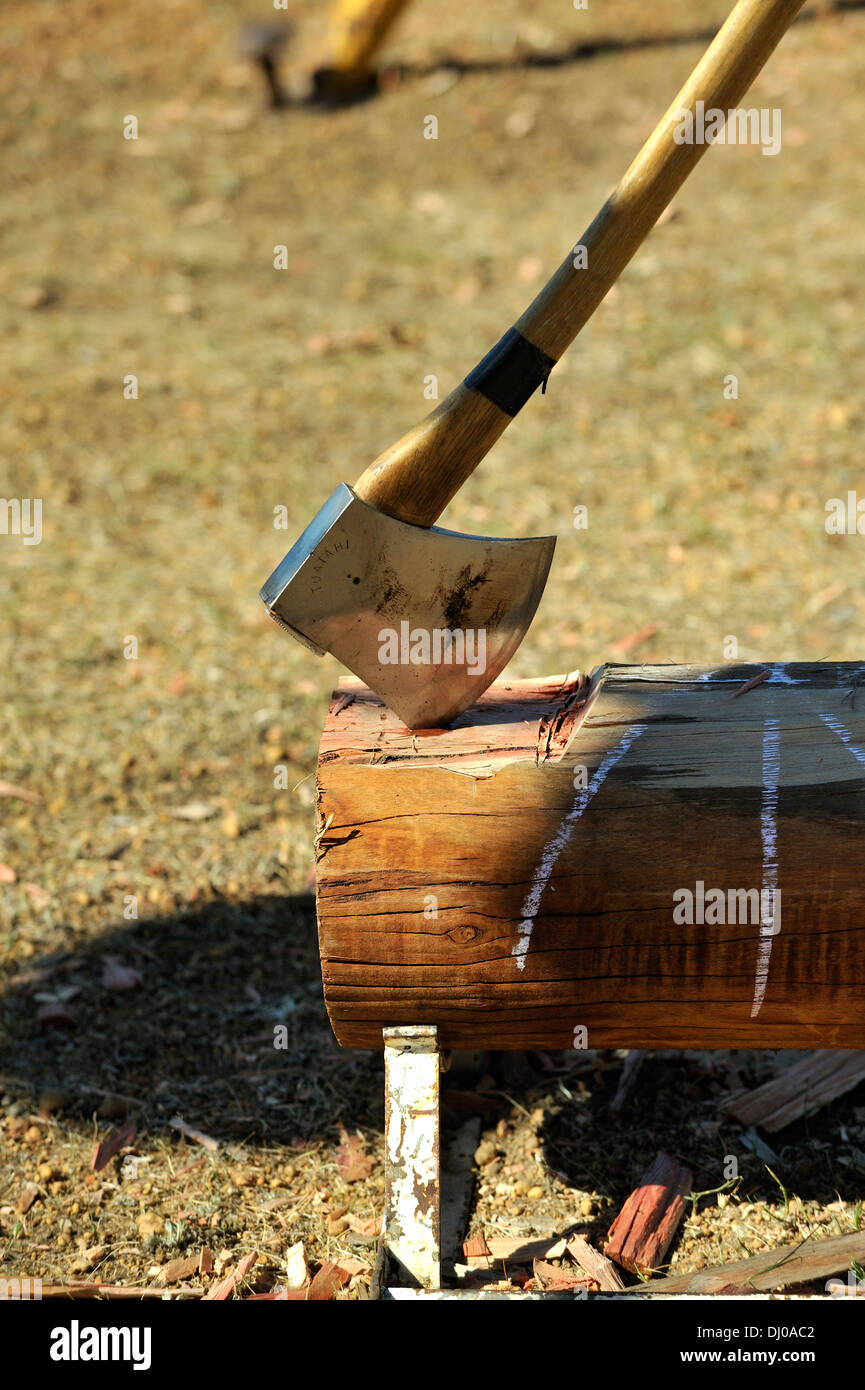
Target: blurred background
{"points": [[147, 699]]}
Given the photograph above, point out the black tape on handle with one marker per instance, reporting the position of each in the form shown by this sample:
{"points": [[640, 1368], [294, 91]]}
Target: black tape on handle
{"points": [[511, 372]]}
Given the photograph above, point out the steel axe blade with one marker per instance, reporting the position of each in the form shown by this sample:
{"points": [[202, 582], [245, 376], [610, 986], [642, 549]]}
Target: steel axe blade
{"points": [[427, 618]]}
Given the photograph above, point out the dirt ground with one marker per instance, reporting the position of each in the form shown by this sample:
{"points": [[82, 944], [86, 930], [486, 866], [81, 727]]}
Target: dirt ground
{"points": [[146, 698]]}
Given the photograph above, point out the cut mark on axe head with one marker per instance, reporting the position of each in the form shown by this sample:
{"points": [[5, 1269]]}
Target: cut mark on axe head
{"points": [[427, 618]]}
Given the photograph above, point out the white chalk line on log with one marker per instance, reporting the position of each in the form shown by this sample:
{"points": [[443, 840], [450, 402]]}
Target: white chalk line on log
{"points": [[770, 914], [844, 734], [553, 849], [782, 676]]}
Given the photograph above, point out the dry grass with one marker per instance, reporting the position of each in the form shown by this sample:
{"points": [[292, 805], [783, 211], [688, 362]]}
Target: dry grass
{"points": [[260, 388]]}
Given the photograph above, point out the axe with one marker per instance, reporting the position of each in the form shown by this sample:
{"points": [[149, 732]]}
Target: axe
{"points": [[429, 618]]}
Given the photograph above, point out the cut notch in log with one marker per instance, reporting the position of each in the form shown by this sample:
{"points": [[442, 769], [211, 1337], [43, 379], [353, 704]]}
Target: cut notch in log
{"points": [[560, 867]]}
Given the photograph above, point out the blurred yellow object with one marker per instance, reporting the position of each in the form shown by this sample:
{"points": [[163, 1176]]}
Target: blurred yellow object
{"points": [[357, 29]]}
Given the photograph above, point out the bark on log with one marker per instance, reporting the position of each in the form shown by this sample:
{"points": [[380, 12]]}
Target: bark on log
{"points": [[524, 875]]}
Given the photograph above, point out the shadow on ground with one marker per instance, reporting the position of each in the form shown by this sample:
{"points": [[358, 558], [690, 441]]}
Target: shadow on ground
{"points": [[678, 1107], [227, 1028]]}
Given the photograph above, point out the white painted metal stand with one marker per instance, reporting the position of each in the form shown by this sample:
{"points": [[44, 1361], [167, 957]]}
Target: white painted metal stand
{"points": [[410, 1257], [409, 1265], [412, 1223]]}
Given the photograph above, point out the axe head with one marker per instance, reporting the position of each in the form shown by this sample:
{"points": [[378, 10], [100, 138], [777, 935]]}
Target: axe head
{"points": [[427, 618]]}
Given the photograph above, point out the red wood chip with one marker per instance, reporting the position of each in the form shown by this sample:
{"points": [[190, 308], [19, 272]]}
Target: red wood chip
{"points": [[325, 1284], [116, 1140], [353, 1162]]}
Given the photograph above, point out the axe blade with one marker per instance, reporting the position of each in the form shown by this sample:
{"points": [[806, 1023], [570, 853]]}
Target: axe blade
{"points": [[427, 618]]}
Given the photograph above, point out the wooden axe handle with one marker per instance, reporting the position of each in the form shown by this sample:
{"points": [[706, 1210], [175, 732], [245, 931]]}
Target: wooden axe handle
{"points": [[416, 478]]}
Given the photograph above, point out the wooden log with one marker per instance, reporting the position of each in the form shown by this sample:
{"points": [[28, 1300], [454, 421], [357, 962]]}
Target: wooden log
{"points": [[641, 1234], [640, 859]]}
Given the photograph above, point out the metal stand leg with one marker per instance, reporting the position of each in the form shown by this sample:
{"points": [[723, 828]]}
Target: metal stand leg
{"points": [[412, 1223], [409, 1261]]}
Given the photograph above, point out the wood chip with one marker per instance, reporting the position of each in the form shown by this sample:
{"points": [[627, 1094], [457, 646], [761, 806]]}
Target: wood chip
{"points": [[112, 1144], [475, 1247], [219, 1293], [195, 1134], [176, 1270], [29, 1193], [296, 1267], [363, 1225], [556, 1280], [512, 1250], [245, 1265], [353, 1267], [188, 1167], [641, 1234], [799, 1090], [329, 1279], [278, 1295], [602, 1270], [353, 1162]]}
